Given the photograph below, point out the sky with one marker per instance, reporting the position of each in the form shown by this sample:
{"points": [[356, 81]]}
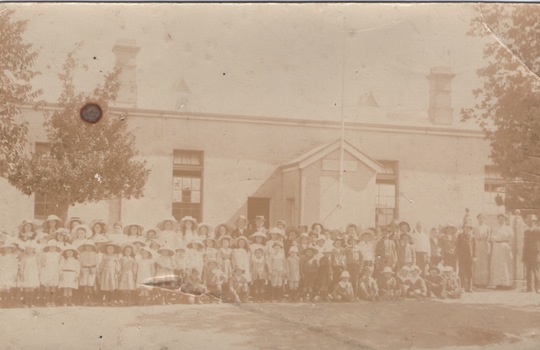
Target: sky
{"points": [[273, 60]]}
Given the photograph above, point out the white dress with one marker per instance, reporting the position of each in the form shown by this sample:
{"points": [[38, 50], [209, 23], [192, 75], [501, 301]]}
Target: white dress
{"points": [[241, 258], [29, 271], [69, 273], [50, 269], [9, 266], [501, 257]]}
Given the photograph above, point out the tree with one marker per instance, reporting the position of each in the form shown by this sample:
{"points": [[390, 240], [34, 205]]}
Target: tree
{"points": [[508, 104], [16, 61], [85, 162]]}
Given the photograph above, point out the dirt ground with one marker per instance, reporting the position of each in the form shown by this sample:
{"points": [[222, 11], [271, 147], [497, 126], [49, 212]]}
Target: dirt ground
{"points": [[482, 320]]}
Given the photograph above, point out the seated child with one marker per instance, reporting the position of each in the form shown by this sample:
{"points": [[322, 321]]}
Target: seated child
{"points": [[436, 284], [417, 285], [344, 290], [193, 285], [403, 282], [238, 286], [453, 286], [214, 279], [367, 287], [387, 284]]}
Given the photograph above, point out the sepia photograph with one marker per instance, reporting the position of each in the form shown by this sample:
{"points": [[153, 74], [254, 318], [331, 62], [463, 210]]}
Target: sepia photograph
{"points": [[269, 176]]}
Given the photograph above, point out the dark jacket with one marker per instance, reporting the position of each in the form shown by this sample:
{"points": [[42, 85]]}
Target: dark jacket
{"points": [[531, 246]]}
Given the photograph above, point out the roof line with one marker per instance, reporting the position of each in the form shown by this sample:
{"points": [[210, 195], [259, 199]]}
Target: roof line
{"points": [[355, 125]]}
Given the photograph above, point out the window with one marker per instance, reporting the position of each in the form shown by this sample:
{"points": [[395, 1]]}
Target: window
{"points": [[187, 184], [44, 204], [386, 200], [494, 191]]}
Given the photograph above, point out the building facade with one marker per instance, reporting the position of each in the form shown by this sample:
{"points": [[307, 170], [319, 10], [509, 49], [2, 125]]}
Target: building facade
{"points": [[215, 167]]}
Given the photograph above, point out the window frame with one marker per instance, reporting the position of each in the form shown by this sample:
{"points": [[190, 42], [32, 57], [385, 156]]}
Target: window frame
{"points": [[390, 178], [188, 170]]}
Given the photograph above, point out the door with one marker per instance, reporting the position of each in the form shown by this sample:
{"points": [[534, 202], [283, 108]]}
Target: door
{"points": [[258, 206]]}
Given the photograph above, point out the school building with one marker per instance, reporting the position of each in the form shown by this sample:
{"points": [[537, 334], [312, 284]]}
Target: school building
{"points": [[216, 167]]}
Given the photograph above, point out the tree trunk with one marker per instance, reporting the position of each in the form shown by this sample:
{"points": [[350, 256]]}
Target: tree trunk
{"points": [[63, 211]]}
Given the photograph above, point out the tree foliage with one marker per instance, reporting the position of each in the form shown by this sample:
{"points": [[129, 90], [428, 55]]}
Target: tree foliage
{"points": [[85, 162], [508, 104], [16, 72]]}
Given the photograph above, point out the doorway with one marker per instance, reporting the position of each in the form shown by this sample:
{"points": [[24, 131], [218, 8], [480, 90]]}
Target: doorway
{"points": [[258, 206]]}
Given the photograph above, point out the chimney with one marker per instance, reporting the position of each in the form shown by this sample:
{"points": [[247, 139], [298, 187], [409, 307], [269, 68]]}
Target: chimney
{"points": [[126, 51], [440, 95]]}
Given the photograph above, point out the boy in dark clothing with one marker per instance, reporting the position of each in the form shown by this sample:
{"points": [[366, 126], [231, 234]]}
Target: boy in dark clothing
{"points": [[466, 255], [436, 284]]}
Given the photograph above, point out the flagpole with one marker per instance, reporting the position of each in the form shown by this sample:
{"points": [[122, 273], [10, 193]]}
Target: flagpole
{"points": [[342, 135]]}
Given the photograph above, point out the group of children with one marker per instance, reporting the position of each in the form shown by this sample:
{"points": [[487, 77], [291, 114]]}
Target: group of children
{"points": [[176, 262]]}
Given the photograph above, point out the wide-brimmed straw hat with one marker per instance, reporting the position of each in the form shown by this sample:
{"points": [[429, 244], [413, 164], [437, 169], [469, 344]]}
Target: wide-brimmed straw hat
{"points": [[52, 244], [68, 222], [188, 218], [87, 230], [258, 234], [161, 224], [53, 218], [87, 243], [70, 248], [104, 245], [104, 226], [127, 228], [166, 250], [26, 222], [204, 224], [194, 242]]}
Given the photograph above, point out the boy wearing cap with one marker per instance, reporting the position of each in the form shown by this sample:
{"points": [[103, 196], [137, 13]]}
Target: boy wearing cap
{"points": [[531, 253], [385, 252], [344, 289], [417, 285], [309, 266], [367, 287], [466, 255], [324, 274], [403, 282], [387, 284], [406, 256]]}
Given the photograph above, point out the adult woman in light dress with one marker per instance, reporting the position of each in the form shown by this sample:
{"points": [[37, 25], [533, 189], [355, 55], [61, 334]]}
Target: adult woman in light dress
{"points": [[482, 236], [500, 274]]}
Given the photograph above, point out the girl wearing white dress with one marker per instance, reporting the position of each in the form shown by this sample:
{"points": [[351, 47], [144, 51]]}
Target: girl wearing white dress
{"points": [[241, 257], [50, 271], [128, 274], [501, 255], [146, 270], [29, 272], [225, 256], [188, 225], [9, 266], [69, 274], [168, 234]]}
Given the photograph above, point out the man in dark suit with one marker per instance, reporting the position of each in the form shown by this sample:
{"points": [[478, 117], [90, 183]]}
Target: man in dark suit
{"points": [[241, 227], [466, 255], [531, 253]]}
